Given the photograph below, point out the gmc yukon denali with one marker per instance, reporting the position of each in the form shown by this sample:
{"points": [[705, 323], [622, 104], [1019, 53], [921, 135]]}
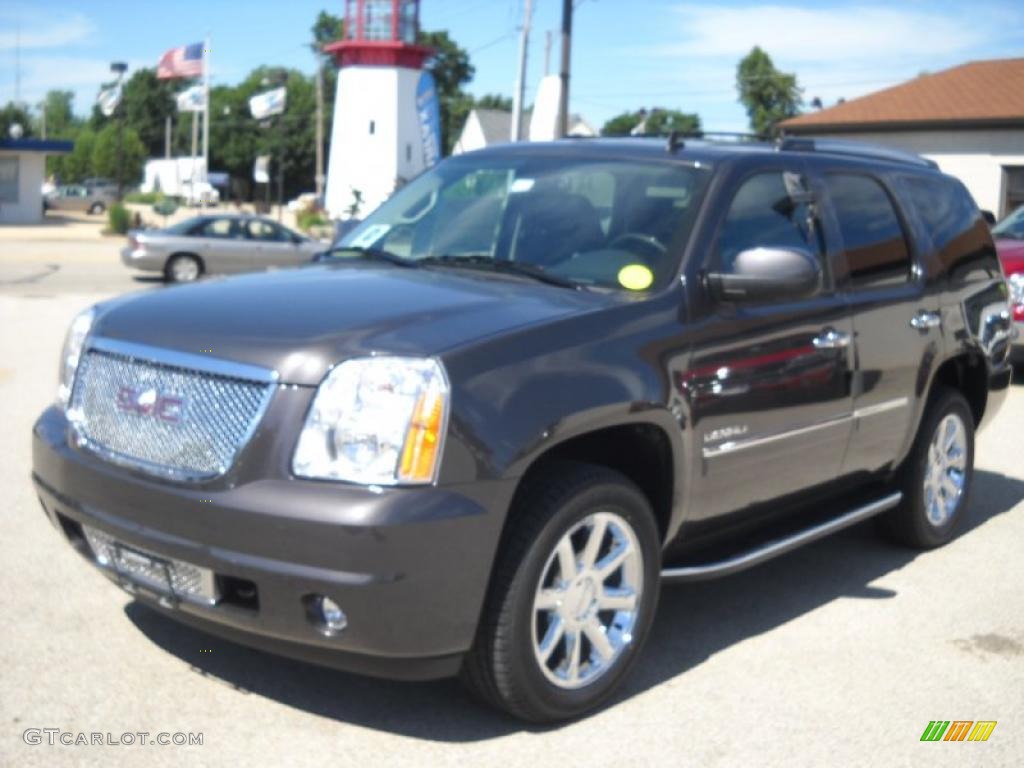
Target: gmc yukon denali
{"points": [[539, 382]]}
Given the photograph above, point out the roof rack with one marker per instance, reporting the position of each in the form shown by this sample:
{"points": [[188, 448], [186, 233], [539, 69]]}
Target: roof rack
{"points": [[854, 149]]}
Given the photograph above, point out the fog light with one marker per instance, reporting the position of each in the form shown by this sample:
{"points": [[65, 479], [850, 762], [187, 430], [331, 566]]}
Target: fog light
{"points": [[331, 615]]}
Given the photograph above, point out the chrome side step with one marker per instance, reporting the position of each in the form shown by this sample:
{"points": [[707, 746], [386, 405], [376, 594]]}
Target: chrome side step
{"points": [[779, 546]]}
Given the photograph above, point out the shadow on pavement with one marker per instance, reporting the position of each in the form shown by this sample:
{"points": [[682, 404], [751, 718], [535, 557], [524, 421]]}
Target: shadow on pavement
{"points": [[694, 622]]}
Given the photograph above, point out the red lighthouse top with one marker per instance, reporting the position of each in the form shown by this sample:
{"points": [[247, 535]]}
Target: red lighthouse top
{"points": [[380, 33]]}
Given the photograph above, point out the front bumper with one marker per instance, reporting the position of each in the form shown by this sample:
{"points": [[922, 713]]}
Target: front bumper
{"points": [[409, 566], [140, 258]]}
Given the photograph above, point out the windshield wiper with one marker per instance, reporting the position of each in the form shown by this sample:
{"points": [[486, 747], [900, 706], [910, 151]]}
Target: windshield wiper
{"points": [[371, 254], [485, 261]]}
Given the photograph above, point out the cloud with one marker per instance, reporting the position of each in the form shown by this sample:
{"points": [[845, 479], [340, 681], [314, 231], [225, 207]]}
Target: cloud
{"points": [[815, 34], [73, 29], [81, 75]]}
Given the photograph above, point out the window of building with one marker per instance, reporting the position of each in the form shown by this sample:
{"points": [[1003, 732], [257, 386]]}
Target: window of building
{"points": [[8, 179], [873, 239]]}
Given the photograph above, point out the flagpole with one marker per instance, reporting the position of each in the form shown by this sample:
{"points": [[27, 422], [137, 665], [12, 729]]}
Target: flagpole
{"points": [[206, 113]]}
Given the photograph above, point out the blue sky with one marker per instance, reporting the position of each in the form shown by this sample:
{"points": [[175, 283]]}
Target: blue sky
{"points": [[626, 54]]}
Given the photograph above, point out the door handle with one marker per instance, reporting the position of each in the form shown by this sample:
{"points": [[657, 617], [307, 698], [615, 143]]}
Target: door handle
{"points": [[830, 338], [923, 320]]}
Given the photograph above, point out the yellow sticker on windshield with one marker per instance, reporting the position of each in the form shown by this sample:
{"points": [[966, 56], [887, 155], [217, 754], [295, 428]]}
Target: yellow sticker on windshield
{"points": [[635, 277]]}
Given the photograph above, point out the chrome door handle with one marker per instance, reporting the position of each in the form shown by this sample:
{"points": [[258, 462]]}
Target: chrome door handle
{"points": [[830, 338], [925, 320]]}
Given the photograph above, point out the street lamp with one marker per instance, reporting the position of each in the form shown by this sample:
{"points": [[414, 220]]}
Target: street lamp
{"points": [[278, 78], [119, 68]]}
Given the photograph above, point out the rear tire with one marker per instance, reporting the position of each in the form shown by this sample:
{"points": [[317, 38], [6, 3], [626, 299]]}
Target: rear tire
{"points": [[97, 208], [183, 269], [556, 640], [936, 479]]}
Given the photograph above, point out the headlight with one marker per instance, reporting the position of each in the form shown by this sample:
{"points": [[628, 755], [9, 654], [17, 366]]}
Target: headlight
{"points": [[376, 420], [71, 353], [1016, 282]]}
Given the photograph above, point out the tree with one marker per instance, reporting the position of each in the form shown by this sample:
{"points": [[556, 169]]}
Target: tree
{"points": [[15, 113], [147, 103], [656, 121], [326, 29], [769, 96], [104, 154], [61, 122], [493, 101], [451, 69], [78, 165]]}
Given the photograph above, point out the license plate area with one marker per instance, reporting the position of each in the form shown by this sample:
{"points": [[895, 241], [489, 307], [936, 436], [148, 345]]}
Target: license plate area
{"points": [[164, 578]]}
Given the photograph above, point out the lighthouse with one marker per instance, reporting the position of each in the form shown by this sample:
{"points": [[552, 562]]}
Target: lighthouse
{"points": [[385, 127]]}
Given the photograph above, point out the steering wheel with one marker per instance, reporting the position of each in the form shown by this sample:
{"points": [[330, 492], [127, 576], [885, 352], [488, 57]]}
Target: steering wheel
{"points": [[648, 241]]}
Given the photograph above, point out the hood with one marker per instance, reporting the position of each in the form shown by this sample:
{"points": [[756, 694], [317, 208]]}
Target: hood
{"points": [[1011, 253], [301, 322]]}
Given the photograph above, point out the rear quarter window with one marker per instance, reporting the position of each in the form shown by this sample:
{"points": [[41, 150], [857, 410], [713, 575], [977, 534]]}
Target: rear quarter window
{"points": [[957, 230]]}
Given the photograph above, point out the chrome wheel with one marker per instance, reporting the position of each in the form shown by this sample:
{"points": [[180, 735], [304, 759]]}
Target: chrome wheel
{"points": [[946, 471], [184, 270], [587, 601]]}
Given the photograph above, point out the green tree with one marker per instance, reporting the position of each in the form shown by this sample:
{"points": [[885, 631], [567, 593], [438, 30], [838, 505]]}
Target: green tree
{"points": [[451, 68], [493, 101], [61, 122], [147, 103], [768, 95], [104, 154], [78, 165], [326, 29], [13, 113], [656, 121]]}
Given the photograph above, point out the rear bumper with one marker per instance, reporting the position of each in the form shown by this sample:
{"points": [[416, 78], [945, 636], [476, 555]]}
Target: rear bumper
{"points": [[408, 566]]}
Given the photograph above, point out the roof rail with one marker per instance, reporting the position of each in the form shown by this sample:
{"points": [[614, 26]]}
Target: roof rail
{"points": [[853, 148]]}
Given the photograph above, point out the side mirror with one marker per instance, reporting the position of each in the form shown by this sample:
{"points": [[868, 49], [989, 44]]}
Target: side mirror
{"points": [[765, 274]]}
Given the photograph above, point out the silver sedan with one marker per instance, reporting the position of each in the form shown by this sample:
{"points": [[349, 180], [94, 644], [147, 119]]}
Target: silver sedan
{"points": [[217, 244]]}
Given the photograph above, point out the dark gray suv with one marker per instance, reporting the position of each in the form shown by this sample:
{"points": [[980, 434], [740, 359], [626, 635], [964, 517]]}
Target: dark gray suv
{"points": [[535, 385]]}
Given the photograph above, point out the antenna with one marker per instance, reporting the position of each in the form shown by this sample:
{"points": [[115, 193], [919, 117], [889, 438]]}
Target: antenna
{"points": [[17, 62]]}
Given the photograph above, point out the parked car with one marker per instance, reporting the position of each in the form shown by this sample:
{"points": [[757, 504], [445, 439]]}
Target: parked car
{"points": [[536, 384], [109, 186], [78, 197], [1009, 235], [217, 244]]}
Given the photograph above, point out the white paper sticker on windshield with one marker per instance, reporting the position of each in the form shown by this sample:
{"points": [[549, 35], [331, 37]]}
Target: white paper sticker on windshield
{"points": [[521, 185], [370, 236]]}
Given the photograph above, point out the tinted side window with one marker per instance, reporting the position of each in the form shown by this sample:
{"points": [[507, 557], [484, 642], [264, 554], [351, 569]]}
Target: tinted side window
{"points": [[958, 231], [873, 239], [764, 214]]}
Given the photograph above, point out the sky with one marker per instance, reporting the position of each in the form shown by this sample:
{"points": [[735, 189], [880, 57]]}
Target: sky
{"points": [[626, 54]]}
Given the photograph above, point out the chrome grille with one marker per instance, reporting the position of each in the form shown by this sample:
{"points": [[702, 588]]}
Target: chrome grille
{"points": [[164, 419]]}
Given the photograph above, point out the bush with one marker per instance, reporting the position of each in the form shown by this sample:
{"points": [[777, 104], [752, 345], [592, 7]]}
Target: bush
{"points": [[308, 219], [118, 219], [147, 198]]}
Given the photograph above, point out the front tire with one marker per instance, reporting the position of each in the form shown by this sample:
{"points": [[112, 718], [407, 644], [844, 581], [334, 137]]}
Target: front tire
{"points": [[572, 597], [937, 475], [97, 208]]}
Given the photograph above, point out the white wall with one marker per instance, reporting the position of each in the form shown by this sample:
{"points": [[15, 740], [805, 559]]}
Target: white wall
{"points": [[371, 163], [472, 136], [29, 207], [976, 157]]}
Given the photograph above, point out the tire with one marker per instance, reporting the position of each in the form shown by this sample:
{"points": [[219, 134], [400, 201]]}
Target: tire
{"points": [[505, 667], [183, 268], [96, 208], [936, 483]]}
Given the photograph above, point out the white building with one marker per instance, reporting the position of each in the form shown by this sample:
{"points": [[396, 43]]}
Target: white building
{"points": [[486, 127], [22, 171], [968, 119]]}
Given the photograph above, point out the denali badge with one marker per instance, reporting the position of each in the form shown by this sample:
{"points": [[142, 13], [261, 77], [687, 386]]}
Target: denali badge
{"points": [[725, 433], [149, 402]]}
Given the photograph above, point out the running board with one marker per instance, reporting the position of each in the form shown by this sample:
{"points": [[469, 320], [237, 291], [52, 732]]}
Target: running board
{"points": [[779, 546]]}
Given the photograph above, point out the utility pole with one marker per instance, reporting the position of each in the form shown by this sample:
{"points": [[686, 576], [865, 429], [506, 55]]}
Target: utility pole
{"points": [[319, 127], [167, 138], [206, 116], [119, 68], [42, 107], [517, 96], [547, 53], [563, 106]]}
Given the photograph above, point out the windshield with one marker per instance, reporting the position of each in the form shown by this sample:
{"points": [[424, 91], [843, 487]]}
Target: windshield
{"points": [[1012, 226], [603, 223]]}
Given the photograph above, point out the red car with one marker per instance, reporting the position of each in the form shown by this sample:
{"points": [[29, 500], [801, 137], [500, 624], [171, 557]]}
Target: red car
{"points": [[1009, 236]]}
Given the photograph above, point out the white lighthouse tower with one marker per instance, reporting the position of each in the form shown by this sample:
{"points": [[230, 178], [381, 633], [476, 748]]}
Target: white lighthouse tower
{"points": [[377, 141]]}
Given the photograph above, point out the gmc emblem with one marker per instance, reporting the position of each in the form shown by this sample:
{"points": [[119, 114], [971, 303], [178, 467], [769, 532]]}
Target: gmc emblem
{"points": [[149, 402]]}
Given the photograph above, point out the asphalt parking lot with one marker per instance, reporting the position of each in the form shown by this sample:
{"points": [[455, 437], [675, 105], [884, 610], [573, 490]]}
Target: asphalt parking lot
{"points": [[838, 654]]}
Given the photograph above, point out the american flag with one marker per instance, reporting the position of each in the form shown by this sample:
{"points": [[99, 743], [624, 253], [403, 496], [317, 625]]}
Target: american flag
{"points": [[184, 61]]}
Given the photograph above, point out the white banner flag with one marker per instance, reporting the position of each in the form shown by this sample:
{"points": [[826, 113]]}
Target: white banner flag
{"points": [[108, 99], [192, 99], [261, 169], [268, 103]]}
